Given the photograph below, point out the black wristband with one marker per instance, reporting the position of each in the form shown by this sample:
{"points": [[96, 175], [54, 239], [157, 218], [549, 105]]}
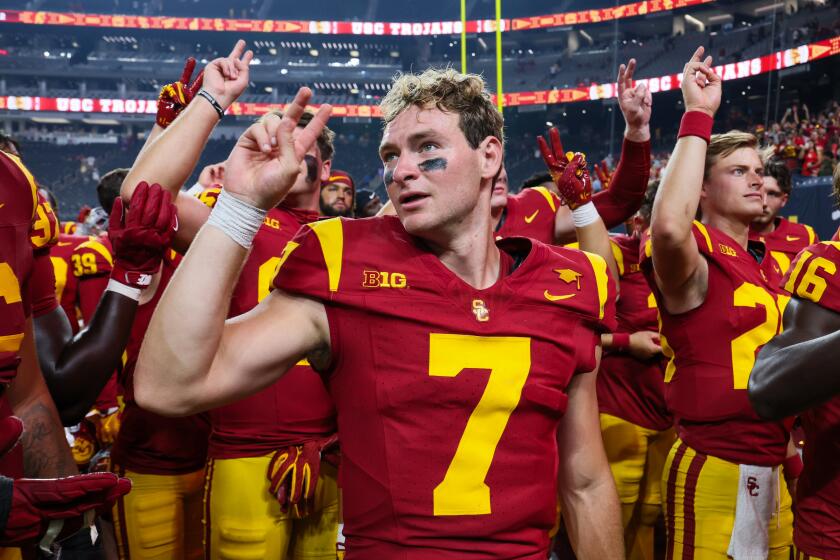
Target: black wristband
{"points": [[206, 95], [7, 489]]}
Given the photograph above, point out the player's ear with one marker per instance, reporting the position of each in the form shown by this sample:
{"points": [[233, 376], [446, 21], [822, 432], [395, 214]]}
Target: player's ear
{"points": [[326, 167], [490, 153]]}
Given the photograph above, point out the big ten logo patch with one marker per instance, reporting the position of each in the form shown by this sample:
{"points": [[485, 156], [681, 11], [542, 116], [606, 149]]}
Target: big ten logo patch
{"points": [[273, 223], [377, 279], [727, 250]]}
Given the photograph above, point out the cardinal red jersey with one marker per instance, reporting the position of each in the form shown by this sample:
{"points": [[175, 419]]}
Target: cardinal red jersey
{"points": [[712, 350], [42, 237], [18, 202], [630, 388], [448, 397], [295, 409], [66, 283], [530, 214], [786, 240], [814, 277], [148, 443]]}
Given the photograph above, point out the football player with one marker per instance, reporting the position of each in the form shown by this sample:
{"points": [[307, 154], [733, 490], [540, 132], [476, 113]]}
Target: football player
{"points": [[459, 408], [782, 238], [791, 376], [272, 439], [338, 194], [44, 452], [719, 303], [635, 423]]}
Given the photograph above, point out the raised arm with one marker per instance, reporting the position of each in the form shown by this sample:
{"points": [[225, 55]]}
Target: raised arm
{"points": [[77, 368], [172, 156], [226, 361], [681, 272], [628, 183], [575, 188], [591, 510]]}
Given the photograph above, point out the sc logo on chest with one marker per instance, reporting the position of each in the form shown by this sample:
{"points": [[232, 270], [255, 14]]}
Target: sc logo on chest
{"points": [[377, 279]]}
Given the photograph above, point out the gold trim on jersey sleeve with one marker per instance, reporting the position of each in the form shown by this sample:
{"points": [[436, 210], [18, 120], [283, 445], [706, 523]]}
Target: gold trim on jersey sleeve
{"points": [[11, 342], [599, 267], [549, 197], [331, 237], [705, 233], [812, 236], [33, 186], [618, 256], [99, 248]]}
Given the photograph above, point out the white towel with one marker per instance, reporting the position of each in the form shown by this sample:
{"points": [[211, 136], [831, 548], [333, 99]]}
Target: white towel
{"points": [[757, 491]]}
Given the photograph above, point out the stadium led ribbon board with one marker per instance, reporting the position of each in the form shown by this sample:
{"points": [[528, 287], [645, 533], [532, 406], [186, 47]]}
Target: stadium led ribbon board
{"points": [[733, 71], [344, 27]]}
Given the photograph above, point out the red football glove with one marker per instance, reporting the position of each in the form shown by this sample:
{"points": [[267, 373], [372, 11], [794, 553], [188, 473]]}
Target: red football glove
{"points": [[142, 235], [177, 95], [36, 502], [293, 475], [11, 428], [604, 174], [568, 171]]}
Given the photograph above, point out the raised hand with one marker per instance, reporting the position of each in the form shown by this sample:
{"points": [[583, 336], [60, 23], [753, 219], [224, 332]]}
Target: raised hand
{"points": [[226, 78], [141, 237], [567, 170], [604, 174], [177, 95], [269, 156], [701, 86], [635, 102]]}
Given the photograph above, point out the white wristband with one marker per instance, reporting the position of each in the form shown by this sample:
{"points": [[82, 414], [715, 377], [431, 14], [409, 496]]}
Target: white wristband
{"points": [[585, 215], [236, 218], [120, 288]]}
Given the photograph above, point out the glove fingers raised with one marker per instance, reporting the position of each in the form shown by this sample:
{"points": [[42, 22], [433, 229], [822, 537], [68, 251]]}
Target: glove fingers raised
{"points": [[556, 144], [199, 81], [547, 156], [188, 70]]}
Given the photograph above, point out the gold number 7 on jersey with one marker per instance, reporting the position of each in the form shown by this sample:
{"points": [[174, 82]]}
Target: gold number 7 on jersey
{"points": [[463, 490]]}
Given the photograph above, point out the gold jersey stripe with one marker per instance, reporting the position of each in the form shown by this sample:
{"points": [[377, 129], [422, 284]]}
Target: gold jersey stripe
{"points": [[811, 235], [331, 236], [11, 342], [99, 248], [548, 197], [705, 233], [599, 267]]}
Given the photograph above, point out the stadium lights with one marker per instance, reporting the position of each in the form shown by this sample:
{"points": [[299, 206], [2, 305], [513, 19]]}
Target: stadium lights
{"points": [[313, 52], [284, 71], [49, 120], [767, 8], [102, 122], [701, 27]]}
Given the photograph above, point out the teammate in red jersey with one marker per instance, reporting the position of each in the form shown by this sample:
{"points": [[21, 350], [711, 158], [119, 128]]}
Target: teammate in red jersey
{"points": [[782, 238], [635, 422], [794, 363], [719, 303], [44, 451], [448, 386], [537, 213], [257, 445]]}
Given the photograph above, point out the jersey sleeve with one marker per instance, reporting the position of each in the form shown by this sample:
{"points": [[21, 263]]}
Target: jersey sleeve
{"points": [[311, 262], [44, 231], [813, 275], [42, 285], [629, 182], [92, 258]]}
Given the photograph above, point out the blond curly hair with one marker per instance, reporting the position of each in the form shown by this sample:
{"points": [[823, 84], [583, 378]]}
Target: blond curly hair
{"points": [[450, 91]]}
